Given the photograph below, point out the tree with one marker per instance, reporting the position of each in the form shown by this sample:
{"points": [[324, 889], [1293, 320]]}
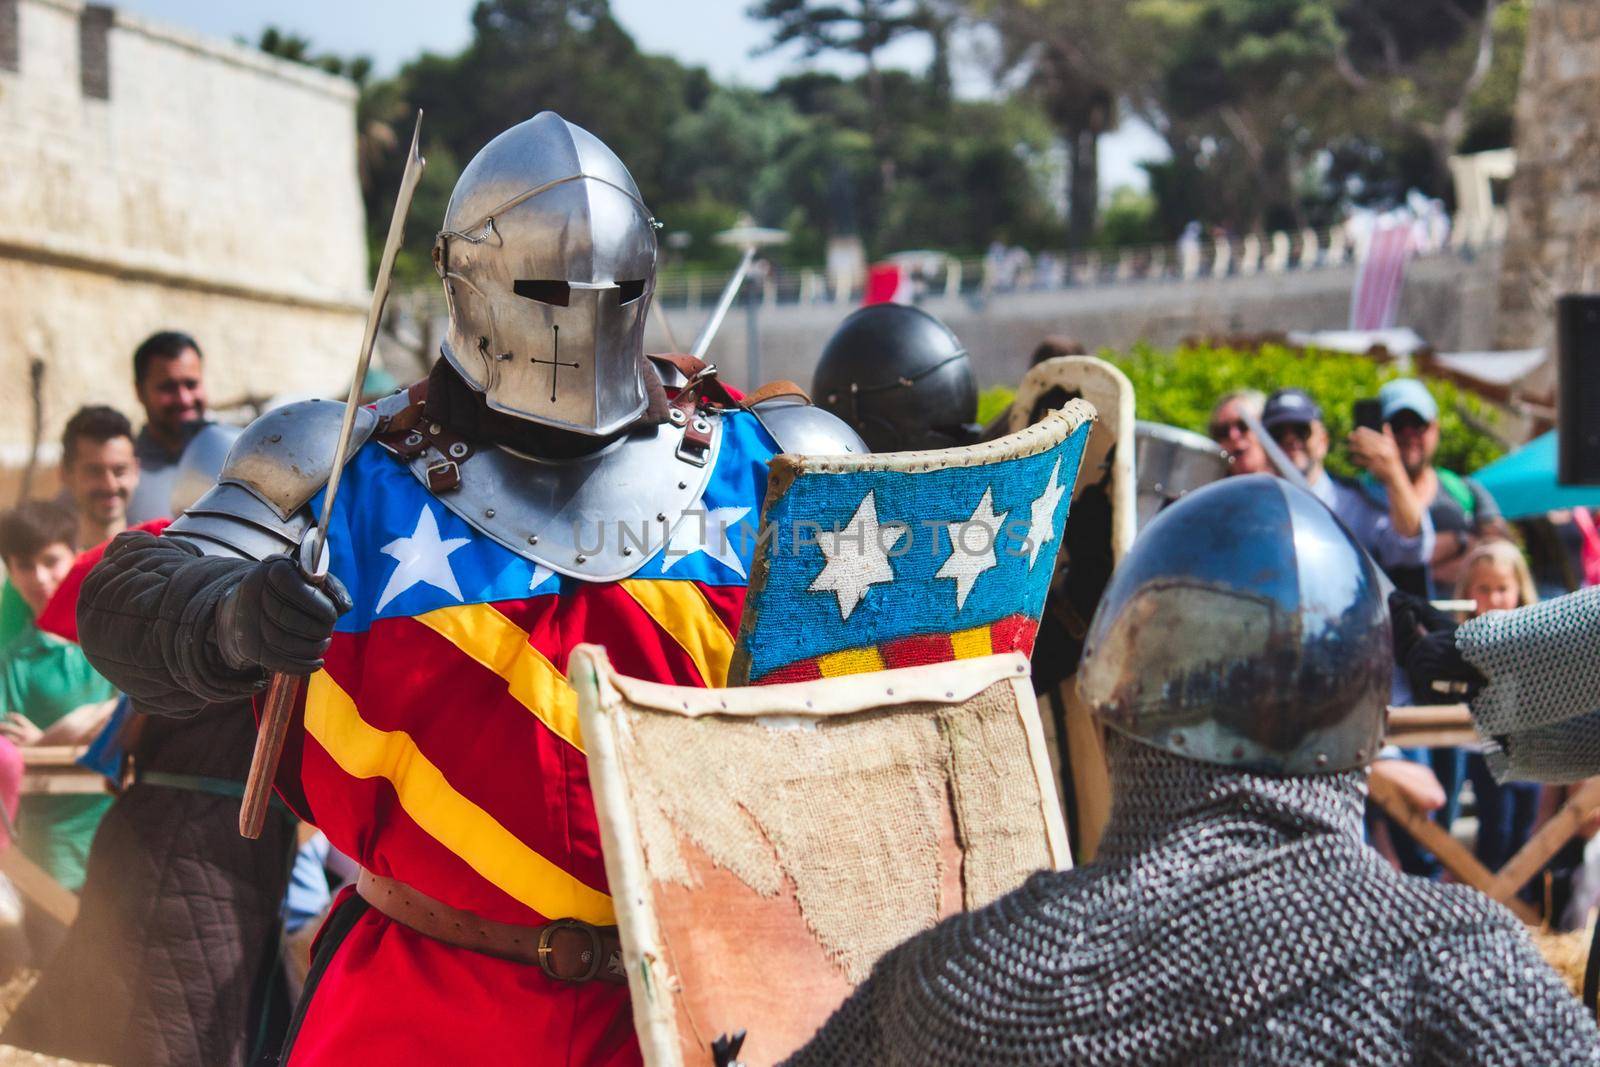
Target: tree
{"points": [[863, 29], [1426, 61], [1076, 63]]}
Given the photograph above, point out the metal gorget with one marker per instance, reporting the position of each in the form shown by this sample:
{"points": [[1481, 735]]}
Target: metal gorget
{"points": [[598, 517]]}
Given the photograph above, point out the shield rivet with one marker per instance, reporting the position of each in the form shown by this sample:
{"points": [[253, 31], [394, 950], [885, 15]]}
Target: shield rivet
{"points": [[1322, 759], [661, 516], [683, 485], [533, 539], [627, 550], [583, 559], [458, 450], [1177, 739], [488, 513]]}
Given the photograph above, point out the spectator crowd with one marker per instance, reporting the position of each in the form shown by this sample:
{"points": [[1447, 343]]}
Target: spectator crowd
{"points": [[1437, 534]]}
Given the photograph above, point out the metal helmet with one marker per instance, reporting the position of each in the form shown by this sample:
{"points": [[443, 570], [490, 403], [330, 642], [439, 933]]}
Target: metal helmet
{"points": [[548, 257], [1171, 462], [900, 378], [201, 464], [1246, 628]]}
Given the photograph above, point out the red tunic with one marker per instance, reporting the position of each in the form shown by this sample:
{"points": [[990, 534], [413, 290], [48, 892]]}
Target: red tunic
{"points": [[441, 747]]}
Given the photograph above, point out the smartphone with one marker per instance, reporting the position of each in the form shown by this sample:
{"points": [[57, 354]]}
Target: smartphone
{"points": [[1369, 413]]}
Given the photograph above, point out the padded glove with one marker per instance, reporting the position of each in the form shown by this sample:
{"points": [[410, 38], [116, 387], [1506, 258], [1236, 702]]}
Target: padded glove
{"points": [[276, 620]]}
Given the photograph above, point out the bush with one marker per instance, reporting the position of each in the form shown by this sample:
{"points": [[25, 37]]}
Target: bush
{"points": [[1178, 387], [992, 401]]}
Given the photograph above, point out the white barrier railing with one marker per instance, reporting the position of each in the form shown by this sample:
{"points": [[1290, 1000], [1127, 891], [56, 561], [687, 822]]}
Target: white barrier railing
{"points": [[1217, 256]]}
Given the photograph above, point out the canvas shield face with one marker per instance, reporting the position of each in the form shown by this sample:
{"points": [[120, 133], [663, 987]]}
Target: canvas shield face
{"points": [[766, 845], [891, 560]]}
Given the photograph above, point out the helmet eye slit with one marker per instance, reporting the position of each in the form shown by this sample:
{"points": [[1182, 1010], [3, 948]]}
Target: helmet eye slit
{"points": [[546, 292], [630, 291]]}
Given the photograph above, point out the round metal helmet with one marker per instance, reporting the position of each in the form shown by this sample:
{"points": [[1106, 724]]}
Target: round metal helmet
{"points": [[548, 257], [201, 464], [900, 378], [1247, 628]]}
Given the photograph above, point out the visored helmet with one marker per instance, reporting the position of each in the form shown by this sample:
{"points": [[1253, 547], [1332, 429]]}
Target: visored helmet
{"points": [[1246, 628], [548, 257], [900, 378]]}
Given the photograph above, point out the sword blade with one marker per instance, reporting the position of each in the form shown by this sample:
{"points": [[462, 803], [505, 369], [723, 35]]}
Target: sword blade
{"points": [[724, 302], [380, 295]]}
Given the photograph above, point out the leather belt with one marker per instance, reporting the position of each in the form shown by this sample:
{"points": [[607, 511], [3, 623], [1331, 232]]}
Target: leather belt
{"points": [[567, 950]]}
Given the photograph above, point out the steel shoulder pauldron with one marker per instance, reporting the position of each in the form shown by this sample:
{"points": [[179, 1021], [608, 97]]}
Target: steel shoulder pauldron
{"points": [[258, 507], [600, 516]]}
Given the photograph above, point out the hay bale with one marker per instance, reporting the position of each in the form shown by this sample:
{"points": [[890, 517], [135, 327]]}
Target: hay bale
{"points": [[1567, 953]]}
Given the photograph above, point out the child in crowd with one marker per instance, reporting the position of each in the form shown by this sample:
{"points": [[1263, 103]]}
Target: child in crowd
{"points": [[1496, 576], [49, 695]]}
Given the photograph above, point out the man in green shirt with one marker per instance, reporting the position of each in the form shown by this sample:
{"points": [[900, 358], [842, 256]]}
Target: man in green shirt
{"points": [[49, 695]]}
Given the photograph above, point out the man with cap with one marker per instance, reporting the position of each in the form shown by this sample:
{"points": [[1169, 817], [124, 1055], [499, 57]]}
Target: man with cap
{"points": [[1463, 512], [1399, 537], [1233, 914]]}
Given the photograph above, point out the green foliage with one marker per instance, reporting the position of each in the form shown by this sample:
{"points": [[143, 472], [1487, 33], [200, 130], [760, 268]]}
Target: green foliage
{"points": [[1179, 387], [992, 401], [1129, 218]]}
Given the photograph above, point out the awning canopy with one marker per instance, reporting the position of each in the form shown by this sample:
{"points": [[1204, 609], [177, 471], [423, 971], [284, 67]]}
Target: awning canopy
{"points": [[1524, 483]]}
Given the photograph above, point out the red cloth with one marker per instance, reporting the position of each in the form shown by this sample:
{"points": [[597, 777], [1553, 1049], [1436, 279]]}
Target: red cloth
{"points": [[1591, 545], [60, 615], [887, 283], [11, 770], [391, 995]]}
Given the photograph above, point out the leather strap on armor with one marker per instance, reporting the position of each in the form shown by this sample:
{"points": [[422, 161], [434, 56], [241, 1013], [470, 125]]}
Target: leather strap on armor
{"points": [[566, 950], [408, 433]]}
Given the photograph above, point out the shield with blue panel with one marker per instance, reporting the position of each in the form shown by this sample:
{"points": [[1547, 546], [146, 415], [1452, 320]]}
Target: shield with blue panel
{"points": [[876, 562]]}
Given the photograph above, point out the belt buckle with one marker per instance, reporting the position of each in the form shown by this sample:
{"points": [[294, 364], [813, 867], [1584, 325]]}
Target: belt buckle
{"points": [[546, 949]]}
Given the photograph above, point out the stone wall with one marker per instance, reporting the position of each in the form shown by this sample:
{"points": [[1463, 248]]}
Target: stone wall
{"points": [[153, 179], [1553, 241], [1449, 300]]}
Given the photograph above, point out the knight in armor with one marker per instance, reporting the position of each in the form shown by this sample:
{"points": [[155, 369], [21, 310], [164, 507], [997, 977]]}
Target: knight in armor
{"points": [[900, 378], [1241, 659], [517, 502]]}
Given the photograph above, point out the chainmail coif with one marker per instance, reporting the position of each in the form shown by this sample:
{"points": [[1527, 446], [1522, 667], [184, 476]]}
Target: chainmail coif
{"points": [[1229, 918]]}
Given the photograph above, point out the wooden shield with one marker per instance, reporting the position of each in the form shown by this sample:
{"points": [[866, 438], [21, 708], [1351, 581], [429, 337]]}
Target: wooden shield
{"points": [[765, 845], [1075, 739]]}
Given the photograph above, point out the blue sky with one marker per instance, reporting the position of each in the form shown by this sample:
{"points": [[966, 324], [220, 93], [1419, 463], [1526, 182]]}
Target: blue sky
{"points": [[719, 37]]}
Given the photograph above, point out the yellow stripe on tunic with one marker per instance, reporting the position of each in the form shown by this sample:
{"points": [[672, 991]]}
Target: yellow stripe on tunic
{"points": [[499, 856], [500, 645], [682, 610]]}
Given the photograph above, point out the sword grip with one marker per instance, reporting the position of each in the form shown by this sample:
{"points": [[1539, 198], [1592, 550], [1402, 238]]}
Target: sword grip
{"points": [[281, 694]]}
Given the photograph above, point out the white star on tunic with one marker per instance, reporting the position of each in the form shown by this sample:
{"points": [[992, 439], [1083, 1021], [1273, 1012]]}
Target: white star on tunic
{"points": [[1042, 515], [424, 558], [966, 560], [541, 574], [857, 557], [711, 532]]}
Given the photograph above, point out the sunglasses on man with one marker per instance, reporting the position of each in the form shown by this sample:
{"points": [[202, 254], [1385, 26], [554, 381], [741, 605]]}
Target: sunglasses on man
{"points": [[1285, 430], [1221, 431]]}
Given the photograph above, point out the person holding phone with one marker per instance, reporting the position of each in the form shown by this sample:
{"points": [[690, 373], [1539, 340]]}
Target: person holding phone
{"points": [[1464, 514], [1398, 534]]}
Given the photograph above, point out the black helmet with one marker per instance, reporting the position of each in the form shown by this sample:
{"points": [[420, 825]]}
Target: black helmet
{"points": [[900, 378]]}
